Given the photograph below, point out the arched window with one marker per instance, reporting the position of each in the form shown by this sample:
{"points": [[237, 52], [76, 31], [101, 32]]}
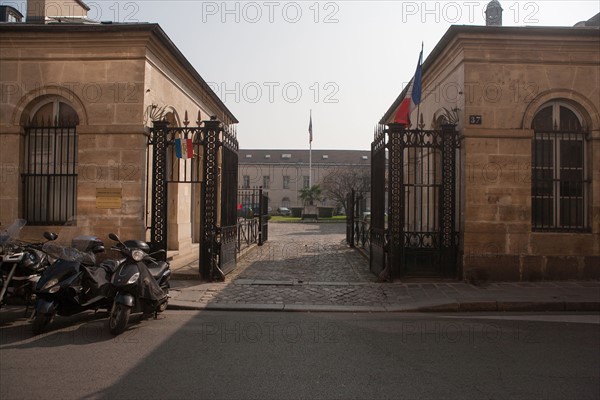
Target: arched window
{"points": [[559, 171], [50, 160]]}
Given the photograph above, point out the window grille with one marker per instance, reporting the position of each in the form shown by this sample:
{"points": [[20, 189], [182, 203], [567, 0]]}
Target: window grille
{"points": [[50, 176], [560, 186]]}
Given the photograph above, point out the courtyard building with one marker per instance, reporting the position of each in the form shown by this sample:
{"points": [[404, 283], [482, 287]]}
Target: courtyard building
{"points": [[283, 173]]}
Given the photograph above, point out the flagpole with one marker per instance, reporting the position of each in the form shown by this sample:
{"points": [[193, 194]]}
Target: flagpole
{"points": [[419, 105], [310, 154]]}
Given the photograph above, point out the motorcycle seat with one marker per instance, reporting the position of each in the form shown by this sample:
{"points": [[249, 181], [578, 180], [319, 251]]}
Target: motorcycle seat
{"points": [[156, 270]]}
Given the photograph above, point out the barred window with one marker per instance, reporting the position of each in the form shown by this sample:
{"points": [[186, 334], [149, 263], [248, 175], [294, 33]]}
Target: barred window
{"points": [[50, 160], [246, 182], [560, 184], [266, 181]]}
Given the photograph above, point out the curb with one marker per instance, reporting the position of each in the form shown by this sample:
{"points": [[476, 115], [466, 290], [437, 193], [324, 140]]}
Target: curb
{"points": [[479, 306]]}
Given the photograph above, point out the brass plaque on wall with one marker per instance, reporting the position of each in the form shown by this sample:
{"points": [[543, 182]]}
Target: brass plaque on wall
{"points": [[109, 197]]}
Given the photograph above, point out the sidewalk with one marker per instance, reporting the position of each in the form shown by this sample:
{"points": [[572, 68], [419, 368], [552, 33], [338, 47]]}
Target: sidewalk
{"points": [[352, 297], [309, 268]]}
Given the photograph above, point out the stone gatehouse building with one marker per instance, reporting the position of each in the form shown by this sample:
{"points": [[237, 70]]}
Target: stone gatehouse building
{"points": [[527, 105], [78, 98]]}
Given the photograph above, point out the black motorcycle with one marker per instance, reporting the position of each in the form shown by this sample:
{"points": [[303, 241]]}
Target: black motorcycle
{"points": [[73, 283], [21, 263], [141, 284]]}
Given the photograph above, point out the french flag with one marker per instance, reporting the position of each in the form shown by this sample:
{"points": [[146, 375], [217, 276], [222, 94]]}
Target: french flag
{"points": [[412, 98], [184, 148]]}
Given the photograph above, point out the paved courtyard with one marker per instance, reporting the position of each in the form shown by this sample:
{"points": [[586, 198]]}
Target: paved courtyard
{"points": [[310, 267], [303, 253]]}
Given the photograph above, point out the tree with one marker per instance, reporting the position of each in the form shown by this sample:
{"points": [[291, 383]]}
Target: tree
{"points": [[310, 195], [337, 184]]}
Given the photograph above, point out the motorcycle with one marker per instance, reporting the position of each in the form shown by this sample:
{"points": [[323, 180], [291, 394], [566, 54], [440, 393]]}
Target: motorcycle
{"points": [[21, 263], [73, 283], [141, 284]]}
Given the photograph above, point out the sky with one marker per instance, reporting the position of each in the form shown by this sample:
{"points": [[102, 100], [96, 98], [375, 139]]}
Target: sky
{"points": [[272, 62]]}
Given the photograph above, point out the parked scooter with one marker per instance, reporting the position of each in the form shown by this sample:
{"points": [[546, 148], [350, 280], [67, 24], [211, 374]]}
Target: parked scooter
{"points": [[141, 284], [21, 263], [73, 283]]}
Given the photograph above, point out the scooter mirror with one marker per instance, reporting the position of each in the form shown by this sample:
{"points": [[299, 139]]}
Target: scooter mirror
{"points": [[114, 237], [50, 236]]}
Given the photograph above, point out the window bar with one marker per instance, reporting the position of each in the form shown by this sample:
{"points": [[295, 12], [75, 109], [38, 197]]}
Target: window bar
{"points": [[534, 184], [37, 166], [62, 175], [584, 186], [26, 168], [46, 169], [556, 182], [73, 165], [30, 187], [569, 187], [57, 156]]}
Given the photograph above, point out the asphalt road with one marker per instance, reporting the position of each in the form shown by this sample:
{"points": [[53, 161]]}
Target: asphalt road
{"points": [[251, 355]]}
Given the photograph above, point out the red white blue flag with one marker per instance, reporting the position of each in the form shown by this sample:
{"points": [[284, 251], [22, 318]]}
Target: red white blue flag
{"points": [[184, 148], [412, 97]]}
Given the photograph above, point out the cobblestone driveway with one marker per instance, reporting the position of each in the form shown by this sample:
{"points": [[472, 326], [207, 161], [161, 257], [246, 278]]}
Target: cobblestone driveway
{"points": [[304, 253]]}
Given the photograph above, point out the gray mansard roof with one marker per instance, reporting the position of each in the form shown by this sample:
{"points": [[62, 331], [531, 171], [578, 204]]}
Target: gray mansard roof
{"points": [[330, 157]]}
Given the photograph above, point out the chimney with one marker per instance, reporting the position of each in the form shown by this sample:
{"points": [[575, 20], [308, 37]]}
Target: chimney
{"points": [[40, 11], [493, 14]]}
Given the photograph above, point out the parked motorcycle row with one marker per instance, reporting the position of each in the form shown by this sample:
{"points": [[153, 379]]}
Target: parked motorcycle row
{"points": [[66, 280]]}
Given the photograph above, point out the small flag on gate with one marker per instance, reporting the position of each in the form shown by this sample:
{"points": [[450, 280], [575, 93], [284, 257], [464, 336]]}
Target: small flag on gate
{"points": [[184, 148]]}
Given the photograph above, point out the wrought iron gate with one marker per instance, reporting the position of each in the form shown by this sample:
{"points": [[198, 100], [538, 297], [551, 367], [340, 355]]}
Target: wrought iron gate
{"points": [[418, 235], [358, 221], [212, 169], [378, 252], [253, 217], [350, 199], [263, 234]]}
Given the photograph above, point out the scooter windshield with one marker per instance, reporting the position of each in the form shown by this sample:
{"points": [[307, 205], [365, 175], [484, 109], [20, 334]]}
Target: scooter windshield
{"points": [[68, 253], [12, 232]]}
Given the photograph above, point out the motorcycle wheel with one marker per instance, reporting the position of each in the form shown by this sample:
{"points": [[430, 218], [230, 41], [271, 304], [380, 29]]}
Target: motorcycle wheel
{"points": [[118, 318], [163, 306], [40, 323]]}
